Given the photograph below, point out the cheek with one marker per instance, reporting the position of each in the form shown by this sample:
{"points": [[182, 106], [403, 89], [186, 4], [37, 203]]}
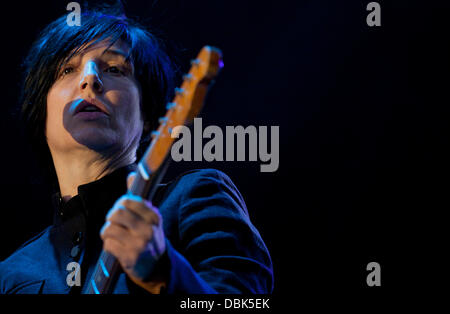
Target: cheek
{"points": [[54, 110], [129, 111], [57, 97]]}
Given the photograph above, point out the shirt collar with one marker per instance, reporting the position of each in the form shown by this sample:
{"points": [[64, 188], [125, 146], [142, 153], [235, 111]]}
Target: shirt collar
{"points": [[95, 198]]}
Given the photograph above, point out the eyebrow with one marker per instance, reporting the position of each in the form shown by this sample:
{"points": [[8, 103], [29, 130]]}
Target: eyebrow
{"points": [[114, 52]]}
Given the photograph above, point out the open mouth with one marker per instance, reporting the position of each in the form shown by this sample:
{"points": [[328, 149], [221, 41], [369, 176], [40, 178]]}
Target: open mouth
{"points": [[91, 106]]}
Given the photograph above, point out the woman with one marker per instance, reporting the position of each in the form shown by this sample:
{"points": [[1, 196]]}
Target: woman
{"points": [[91, 96]]}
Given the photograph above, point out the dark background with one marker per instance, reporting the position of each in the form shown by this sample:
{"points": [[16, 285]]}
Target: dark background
{"points": [[363, 115]]}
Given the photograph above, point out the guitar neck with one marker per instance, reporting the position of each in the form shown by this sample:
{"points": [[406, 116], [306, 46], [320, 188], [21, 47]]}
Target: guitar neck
{"points": [[104, 276], [108, 268], [151, 168]]}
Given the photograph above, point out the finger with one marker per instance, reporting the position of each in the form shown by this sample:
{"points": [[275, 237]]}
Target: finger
{"points": [[115, 231], [124, 236], [141, 207], [116, 248], [130, 179], [130, 220]]}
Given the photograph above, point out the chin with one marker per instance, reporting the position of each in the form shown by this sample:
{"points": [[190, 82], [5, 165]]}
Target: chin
{"points": [[96, 139]]}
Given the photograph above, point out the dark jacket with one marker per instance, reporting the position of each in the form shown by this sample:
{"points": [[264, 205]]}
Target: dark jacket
{"points": [[212, 247]]}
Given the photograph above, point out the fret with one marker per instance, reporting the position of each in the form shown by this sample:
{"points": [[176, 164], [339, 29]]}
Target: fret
{"points": [[94, 287], [105, 271]]}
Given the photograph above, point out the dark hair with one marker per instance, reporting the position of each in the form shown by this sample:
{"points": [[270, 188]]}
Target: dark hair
{"points": [[58, 42]]}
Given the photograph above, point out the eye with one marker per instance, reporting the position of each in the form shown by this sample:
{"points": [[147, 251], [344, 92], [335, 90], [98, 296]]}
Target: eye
{"points": [[114, 69], [67, 70]]}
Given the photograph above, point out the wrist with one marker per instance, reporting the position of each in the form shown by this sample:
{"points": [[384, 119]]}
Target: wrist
{"points": [[158, 279]]}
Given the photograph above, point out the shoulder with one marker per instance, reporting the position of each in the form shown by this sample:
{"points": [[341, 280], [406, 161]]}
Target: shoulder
{"points": [[200, 184], [22, 261], [26, 246]]}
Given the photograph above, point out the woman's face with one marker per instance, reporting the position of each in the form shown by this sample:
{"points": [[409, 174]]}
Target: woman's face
{"points": [[105, 79]]}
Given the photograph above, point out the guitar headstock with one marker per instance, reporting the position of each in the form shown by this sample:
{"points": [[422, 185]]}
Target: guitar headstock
{"points": [[185, 106], [204, 68]]}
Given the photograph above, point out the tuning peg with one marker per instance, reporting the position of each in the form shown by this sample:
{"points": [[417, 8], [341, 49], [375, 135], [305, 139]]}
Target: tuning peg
{"points": [[195, 62], [170, 105], [179, 91], [163, 120], [187, 77]]}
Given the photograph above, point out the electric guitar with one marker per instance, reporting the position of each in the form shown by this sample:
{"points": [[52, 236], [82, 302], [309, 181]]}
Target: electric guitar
{"points": [[182, 110]]}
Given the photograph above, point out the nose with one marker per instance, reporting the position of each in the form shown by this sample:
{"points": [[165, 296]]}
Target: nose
{"points": [[91, 79]]}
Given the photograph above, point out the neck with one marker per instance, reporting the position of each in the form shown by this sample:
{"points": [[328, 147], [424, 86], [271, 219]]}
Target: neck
{"points": [[76, 168]]}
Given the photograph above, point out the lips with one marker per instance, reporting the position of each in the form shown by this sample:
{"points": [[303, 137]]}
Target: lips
{"points": [[91, 105]]}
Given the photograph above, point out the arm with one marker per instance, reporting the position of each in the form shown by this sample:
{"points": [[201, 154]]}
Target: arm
{"points": [[208, 244], [218, 249]]}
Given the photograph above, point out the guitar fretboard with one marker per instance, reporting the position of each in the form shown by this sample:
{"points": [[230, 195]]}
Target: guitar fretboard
{"points": [[100, 281]]}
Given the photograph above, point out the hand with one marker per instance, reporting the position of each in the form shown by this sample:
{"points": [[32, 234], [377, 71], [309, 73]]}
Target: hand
{"points": [[133, 233]]}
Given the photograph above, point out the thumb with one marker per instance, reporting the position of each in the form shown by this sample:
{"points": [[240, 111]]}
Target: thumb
{"points": [[130, 179]]}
